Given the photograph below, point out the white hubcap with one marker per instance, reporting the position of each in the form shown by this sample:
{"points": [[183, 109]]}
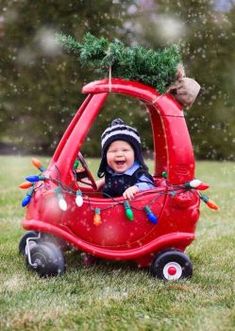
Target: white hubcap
{"points": [[172, 271]]}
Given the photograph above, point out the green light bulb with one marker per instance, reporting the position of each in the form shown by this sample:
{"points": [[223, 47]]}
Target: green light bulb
{"points": [[128, 211]]}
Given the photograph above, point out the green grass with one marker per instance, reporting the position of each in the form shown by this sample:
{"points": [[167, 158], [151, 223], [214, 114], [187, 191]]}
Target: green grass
{"points": [[115, 296]]}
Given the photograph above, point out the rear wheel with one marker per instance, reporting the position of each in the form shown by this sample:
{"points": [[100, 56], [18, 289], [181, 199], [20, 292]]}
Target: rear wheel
{"points": [[171, 265], [63, 245], [46, 259], [22, 243]]}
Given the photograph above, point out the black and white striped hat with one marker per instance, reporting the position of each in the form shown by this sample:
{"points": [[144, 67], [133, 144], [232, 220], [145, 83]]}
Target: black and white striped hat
{"points": [[118, 130]]}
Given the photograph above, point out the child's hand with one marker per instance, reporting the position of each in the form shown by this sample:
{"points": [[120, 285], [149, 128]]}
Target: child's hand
{"points": [[130, 192], [100, 183]]}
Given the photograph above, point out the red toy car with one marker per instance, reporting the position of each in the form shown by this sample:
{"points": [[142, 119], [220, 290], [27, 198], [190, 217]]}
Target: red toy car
{"points": [[152, 230]]}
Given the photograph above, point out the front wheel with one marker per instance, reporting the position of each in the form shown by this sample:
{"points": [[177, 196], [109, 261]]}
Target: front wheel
{"points": [[171, 265], [46, 259]]}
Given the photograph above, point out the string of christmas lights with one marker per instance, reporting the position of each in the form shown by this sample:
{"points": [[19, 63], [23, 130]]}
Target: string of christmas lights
{"points": [[61, 190]]}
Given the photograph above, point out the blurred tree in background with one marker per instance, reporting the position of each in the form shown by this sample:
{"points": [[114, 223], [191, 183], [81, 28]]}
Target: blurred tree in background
{"points": [[206, 31], [40, 85]]}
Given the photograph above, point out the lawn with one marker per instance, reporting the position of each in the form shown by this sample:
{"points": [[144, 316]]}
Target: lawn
{"points": [[116, 296]]}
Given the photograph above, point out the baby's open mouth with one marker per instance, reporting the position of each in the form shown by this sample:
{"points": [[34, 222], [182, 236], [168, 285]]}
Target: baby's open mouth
{"points": [[119, 162]]}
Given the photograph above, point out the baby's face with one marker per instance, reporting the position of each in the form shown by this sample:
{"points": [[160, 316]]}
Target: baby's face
{"points": [[120, 156]]}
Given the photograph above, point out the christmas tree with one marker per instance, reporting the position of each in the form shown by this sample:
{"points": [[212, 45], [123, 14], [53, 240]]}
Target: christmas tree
{"points": [[155, 68]]}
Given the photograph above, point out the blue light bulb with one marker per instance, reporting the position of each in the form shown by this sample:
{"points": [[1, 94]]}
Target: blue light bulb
{"points": [[34, 178], [26, 200], [151, 216]]}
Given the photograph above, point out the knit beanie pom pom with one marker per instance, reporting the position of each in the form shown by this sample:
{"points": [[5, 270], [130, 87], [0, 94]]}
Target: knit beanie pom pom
{"points": [[117, 121]]}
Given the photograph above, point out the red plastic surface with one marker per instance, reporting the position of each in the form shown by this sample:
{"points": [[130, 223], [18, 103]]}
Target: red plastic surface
{"points": [[116, 237]]}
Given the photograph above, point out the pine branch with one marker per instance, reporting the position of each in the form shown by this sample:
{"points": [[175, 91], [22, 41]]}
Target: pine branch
{"points": [[155, 68], [68, 43]]}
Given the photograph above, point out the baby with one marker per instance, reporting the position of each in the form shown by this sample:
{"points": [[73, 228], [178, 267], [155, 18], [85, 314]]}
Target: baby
{"points": [[122, 164]]}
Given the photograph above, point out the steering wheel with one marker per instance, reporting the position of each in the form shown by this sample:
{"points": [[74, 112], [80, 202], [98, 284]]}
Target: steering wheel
{"points": [[85, 173]]}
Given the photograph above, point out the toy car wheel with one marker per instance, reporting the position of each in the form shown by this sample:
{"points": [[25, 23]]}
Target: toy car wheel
{"points": [[22, 243], [48, 238], [171, 265], [46, 259]]}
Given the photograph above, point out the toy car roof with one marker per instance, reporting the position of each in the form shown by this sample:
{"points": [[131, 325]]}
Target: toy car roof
{"points": [[173, 152]]}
